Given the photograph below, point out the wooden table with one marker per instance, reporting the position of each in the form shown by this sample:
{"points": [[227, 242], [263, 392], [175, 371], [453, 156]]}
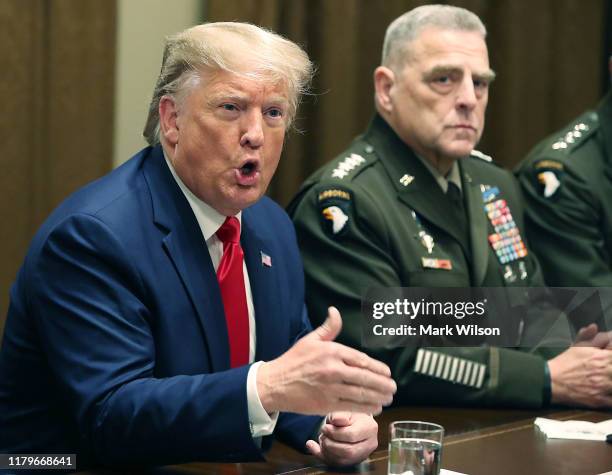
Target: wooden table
{"points": [[478, 441]]}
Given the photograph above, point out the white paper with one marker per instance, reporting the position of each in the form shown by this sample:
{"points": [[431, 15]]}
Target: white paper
{"points": [[577, 430]]}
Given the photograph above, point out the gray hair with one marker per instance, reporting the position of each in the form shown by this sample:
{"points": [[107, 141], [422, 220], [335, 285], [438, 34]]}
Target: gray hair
{"points": [[408, 26], [250, 52]]}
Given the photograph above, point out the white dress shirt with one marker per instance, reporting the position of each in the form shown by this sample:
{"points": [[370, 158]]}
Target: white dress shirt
{"points": [[210, 221]]}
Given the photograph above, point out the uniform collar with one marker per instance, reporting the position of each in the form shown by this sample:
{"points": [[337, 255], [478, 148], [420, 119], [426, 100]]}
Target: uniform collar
{"points": [[402, 164], [453, 175]]}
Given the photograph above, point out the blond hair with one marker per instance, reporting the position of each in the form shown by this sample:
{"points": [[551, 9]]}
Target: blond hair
{"points": [[239, 48]]}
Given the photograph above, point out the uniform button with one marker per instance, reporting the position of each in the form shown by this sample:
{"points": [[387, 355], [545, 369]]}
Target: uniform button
{"points": [[368, 149]]}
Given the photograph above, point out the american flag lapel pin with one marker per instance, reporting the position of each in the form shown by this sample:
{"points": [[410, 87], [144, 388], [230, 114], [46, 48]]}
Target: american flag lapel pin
{"points": [[266, 260]]}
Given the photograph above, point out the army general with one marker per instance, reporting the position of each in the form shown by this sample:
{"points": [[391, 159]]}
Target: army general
{"points": [[411, 203]]}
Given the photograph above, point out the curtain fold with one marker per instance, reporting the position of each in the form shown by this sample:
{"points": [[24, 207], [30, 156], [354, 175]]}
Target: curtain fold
{"points": [[56, 124]]}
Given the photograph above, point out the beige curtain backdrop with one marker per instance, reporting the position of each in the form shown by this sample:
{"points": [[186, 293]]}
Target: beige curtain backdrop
{"points": [[548, 55], [56, 87]]}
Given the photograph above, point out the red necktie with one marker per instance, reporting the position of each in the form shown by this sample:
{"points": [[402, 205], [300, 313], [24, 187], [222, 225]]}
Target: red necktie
{"points": [[231, 282]]}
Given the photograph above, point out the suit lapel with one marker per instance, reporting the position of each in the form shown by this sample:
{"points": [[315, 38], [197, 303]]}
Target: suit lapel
{"points": [[187, 250], [264, 286], [478, 224]]}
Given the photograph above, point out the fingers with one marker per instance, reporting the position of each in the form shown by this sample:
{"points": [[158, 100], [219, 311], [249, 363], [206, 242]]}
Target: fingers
{"points": [[339, 401], [364, 427], [384, 386], [586, 333], [340, 418], [603, 340], [330, 328], [343, 453], [314, 449], [590, 336], [363, 395], [359, 359]]}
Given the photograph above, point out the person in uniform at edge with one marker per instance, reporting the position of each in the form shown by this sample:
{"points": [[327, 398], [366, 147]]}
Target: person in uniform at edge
{"points": [[404, 206], [146, 296], [567, 183]]}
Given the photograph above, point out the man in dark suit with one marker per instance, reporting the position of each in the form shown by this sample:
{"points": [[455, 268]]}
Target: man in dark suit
{"points": [[410, 203], [146, 297]]}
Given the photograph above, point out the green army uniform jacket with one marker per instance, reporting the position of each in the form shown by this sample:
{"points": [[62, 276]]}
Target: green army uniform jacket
{"points": [[356, 228], [567, 183]]}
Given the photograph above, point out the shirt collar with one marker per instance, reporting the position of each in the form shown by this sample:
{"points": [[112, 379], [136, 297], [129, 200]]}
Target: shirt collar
{"points": [[453, 175], [209, 219]]}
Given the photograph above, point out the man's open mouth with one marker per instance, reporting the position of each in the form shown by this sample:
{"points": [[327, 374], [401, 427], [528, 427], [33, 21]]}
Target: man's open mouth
{"points": [[249, 168]]}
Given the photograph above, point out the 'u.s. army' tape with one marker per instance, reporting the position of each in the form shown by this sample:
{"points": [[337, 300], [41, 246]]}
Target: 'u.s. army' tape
{"points": [[450, 368]]}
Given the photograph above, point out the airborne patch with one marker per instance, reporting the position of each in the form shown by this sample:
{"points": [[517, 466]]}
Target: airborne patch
{"points": [[550, 183], [548, 165], [334, 193], [549, 174], [334, 210]]}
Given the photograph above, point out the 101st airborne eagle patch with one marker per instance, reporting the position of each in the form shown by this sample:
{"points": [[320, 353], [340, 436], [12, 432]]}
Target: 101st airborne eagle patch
{"points": [[334, 209], [550, 174]]}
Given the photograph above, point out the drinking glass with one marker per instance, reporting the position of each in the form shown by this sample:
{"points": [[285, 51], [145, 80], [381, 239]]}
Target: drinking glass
{"points": [[415, 448]]}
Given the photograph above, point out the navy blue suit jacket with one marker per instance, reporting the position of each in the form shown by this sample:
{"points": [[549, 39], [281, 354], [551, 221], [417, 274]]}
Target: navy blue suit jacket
{"points": [[115, 346]]}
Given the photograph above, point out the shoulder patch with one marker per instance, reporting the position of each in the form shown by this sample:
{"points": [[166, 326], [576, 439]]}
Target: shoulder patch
{"points": [[347, 165], [548, 164], [334, 204], [550, 175], [576, 133], [333, 193], [550, 181]]}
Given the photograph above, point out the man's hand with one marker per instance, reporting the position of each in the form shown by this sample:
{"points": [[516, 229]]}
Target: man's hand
{"points": [[591, 336], [582, 375], [319, 376], [345, 439]]}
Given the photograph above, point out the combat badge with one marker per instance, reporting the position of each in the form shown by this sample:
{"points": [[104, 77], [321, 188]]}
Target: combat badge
{"points": [[428, 243], [549, 173], [426, 239], [334, 209]]}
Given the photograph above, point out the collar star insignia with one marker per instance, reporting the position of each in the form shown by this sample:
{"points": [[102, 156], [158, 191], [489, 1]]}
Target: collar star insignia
{"points": [[406, 179]]}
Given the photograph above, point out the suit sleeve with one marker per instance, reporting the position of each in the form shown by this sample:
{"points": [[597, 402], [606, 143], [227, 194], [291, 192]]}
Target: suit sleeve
{"points": [[296, 429], [98, 337]]}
